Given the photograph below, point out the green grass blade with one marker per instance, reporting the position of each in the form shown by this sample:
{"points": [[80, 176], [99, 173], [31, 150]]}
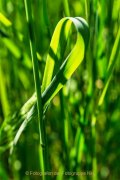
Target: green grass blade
{"points": [[35, 61], [46, 18], [55, 52], [12, 47], [66, 7], [37, 81], [3, 94], [5, 20], [111, 65]]}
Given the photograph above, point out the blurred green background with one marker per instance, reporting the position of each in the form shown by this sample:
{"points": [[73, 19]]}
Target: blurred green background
{"points": [[91, 141]]}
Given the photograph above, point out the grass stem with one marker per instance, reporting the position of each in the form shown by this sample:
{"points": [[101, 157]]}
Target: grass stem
{"points": [[36, 76], [46, 18], [66, 8], [65, 125]]}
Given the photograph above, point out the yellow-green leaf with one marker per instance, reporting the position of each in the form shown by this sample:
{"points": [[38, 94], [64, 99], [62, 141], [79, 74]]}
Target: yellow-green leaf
{"points": [[54, 79], [4, 20]]}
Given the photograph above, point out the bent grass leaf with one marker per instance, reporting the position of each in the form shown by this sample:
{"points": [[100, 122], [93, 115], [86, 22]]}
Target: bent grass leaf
{"points": [[72, 61], [56, 73]]}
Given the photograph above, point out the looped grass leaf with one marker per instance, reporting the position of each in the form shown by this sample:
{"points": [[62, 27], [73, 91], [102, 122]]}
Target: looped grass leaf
{"points": [[51, 85], [56, 73]]}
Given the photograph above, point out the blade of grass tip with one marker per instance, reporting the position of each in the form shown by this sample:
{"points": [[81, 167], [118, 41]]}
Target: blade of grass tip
{"points": [[111, 65], [36, 74], [66, 8]]}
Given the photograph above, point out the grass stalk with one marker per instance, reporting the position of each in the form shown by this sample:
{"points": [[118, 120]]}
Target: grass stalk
{"points": [[3, 94], [66, 8], [62, 104], [46, 18], [94, 160], [79, 148], [36, 78], [87, 10], [65, 125]]}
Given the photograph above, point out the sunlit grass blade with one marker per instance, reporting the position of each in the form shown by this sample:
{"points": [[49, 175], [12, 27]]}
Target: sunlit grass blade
{"points": [[57, 48], [66, 8], [3, 94], [72, 61], [5, 20], [12, 47]]}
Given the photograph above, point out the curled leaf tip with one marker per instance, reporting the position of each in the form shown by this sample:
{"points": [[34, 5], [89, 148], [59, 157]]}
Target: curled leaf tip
{"points": [[56, 74], [84, 30]]}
